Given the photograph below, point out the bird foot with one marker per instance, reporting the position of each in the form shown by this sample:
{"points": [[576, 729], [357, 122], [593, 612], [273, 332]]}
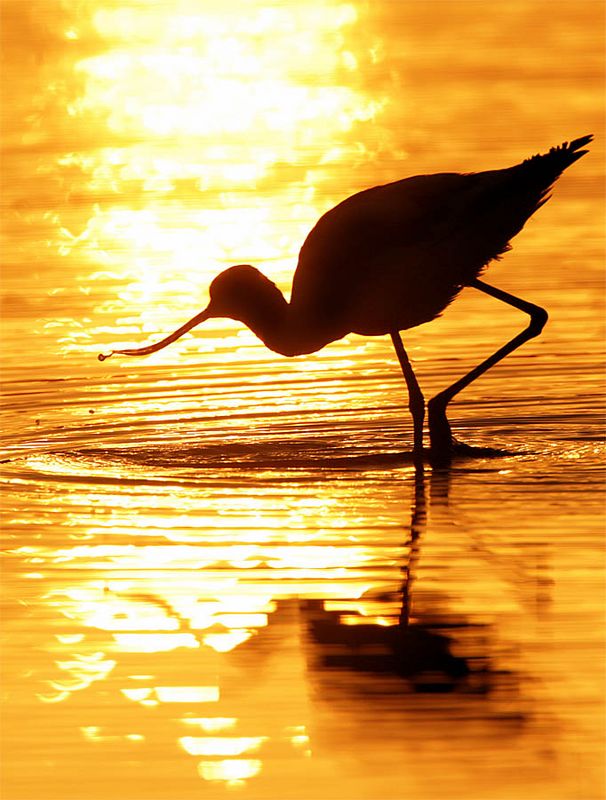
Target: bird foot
{"points": [[443, 456], [473, 451]]}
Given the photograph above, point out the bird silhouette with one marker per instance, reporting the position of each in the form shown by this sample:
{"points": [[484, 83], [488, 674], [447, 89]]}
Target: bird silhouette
{"points": [[390, 258]]}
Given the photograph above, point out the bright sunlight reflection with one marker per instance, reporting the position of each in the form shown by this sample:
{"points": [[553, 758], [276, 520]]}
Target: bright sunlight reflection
{"points": [[210, 136], [231, 770], [215, 110]]}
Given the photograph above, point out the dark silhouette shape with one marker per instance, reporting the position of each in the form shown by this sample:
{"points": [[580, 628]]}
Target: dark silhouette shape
{"points": [[390, 258], [417, 648]]}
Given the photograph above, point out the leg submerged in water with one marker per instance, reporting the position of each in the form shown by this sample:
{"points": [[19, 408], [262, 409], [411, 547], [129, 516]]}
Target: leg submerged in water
{"points": [[440, 434]]}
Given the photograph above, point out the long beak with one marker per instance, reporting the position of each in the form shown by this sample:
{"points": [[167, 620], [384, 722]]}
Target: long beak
{"points": [[152, 348]]}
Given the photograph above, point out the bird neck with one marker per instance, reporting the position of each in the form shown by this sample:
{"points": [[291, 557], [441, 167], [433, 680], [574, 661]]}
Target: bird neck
{"points": [[277, 324]]}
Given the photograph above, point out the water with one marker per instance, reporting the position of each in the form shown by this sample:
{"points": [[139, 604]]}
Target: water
{"points": [[222, 574]]}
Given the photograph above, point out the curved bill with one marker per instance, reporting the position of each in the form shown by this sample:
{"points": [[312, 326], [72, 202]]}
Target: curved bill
{"points": [[152, 348]]}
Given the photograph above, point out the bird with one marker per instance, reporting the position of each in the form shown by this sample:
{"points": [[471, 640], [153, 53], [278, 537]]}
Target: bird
{"points": [[390, 258]]}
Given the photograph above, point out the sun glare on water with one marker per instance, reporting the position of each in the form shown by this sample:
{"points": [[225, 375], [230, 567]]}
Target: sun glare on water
{"points": [[201, 135], [214, 126]]}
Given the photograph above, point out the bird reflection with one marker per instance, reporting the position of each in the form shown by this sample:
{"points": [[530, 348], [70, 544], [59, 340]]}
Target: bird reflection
{"points": [[418, 648], [388, 259]]}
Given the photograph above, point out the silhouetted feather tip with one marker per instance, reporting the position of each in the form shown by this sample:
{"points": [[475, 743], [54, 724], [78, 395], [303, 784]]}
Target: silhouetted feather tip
{"points": [[563, 155], [571, 151], [580, 142]]}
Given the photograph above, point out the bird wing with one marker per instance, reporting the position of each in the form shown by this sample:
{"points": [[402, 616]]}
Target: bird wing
{"points": [[416, 242], [369, 229]]}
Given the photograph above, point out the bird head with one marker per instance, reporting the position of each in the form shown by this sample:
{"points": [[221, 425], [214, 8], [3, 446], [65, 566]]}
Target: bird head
{"points": [[241, 293], [230, 291]]}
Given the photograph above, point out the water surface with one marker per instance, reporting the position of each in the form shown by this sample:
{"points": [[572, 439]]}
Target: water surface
{"points": [[221, 570]]}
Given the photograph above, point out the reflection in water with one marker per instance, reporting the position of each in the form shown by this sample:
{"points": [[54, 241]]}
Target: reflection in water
{"points": [[383, 632], [185, 639], [179, 534], [130, 608], [170, 631]]}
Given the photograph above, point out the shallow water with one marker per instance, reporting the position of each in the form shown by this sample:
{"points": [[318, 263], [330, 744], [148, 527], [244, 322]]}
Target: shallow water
{"points": [[222, 572]]}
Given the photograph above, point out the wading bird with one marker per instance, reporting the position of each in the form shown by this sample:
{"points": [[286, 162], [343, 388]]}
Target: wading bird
{"points": [[390, 258]]}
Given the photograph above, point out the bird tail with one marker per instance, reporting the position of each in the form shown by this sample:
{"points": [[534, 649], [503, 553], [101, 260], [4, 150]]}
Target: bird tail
{"points": [[561, 157], [541, 171]]}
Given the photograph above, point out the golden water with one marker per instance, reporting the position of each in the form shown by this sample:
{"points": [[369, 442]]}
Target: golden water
{"points": [[221, 573]]}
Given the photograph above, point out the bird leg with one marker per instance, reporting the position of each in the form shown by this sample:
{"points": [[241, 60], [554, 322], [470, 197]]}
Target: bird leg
{"points": [[416, 401], [439, 428]]}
